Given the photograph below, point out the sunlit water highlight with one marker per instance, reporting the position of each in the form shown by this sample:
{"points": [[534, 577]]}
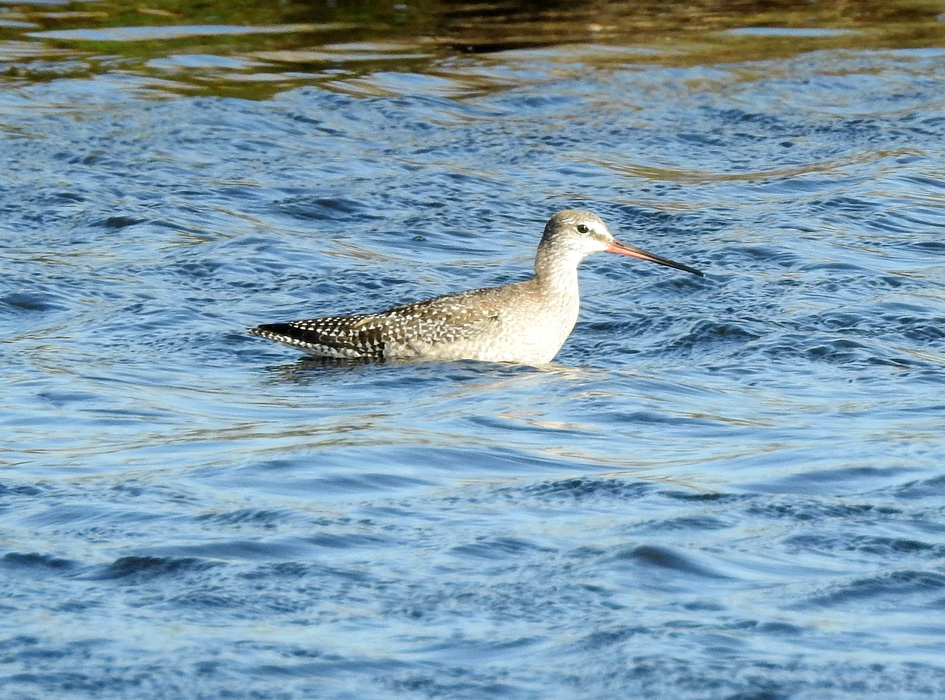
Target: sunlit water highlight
{"points": [[724, 487]]}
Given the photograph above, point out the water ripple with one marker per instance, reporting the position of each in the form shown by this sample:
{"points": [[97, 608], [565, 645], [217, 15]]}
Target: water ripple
{"points": [[724, 487]]}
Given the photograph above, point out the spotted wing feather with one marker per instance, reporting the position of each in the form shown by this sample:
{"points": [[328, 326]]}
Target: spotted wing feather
{"points": [[403, 331], [331, 336], [422, 325]]}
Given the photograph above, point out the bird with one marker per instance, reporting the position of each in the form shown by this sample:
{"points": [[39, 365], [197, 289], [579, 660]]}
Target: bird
{"points": [[523, 322]]}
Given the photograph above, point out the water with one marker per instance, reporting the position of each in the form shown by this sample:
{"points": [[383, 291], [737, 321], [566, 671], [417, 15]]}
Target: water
{"points": [[728, 487]]}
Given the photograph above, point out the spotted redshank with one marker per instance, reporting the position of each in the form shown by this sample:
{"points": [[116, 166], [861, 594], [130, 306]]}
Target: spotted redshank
{"points": [[523, 322]]}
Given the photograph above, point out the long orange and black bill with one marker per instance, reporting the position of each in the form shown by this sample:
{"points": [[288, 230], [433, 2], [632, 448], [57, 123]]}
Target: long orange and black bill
{"points": [[624, 249]]}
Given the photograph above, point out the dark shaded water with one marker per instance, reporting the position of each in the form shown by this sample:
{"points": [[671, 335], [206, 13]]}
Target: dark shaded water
{"points": [[728, 487]]}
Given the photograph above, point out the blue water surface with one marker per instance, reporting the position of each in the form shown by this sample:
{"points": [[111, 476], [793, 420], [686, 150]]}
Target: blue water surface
{"points": [[728, 487]]}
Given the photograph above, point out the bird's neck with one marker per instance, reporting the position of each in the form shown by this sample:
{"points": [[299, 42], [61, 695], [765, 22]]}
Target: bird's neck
{"points": [[556, 270]]}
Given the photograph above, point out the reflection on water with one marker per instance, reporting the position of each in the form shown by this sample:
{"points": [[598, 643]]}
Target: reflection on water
{"points": [[727, 488], [275, 46]]}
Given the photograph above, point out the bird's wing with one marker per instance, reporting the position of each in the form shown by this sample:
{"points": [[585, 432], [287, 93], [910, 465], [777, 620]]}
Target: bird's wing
{"points": [[331, 336], [444, 319]]}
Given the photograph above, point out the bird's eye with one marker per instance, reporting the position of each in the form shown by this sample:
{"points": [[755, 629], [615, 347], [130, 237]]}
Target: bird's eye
{"points": [[582, 228]]}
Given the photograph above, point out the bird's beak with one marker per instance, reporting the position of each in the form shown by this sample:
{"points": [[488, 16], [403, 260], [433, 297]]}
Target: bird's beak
{"points": [[624, 249]]}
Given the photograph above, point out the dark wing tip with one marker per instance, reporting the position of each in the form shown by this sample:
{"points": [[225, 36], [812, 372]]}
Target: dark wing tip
{"points": [[300, 334], [281, 332], [267, 329], [285, 333]]}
